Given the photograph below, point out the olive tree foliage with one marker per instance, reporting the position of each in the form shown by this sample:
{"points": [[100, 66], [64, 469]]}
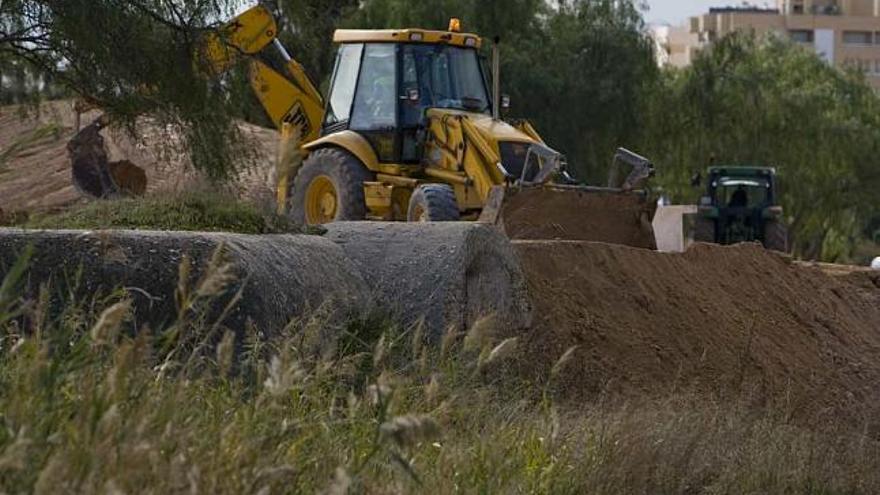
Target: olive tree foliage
{"points": [[132, 58], [766, 101], [581, 79], [306, 29]]}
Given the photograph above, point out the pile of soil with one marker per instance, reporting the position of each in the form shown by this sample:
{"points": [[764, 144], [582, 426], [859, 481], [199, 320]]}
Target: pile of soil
{"points": [[570, 214], [35, 170], [736, 322]]}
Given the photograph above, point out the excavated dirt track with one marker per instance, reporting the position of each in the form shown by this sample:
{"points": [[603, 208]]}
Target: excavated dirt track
{"points": [[731, 322], [736, 322]]}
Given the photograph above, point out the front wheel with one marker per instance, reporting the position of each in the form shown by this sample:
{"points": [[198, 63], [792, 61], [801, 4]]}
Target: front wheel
{"points": [[329, 188], [433, 203]]}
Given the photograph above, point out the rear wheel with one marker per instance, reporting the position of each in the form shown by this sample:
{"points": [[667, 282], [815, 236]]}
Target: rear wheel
{"points": [[776, 236], [433, 203], [329, 188]]}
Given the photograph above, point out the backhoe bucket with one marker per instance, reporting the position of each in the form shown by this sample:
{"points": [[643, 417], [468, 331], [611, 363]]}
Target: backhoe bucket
{"points": [[93, 174], [578, 213]]}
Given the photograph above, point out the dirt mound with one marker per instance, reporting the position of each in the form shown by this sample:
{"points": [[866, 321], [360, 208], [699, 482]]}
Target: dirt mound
{"points": [[733, 321], [544, 213], [130, 178]]}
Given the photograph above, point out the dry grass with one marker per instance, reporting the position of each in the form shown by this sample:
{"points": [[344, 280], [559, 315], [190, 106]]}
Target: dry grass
{"points": [[88, 409]]}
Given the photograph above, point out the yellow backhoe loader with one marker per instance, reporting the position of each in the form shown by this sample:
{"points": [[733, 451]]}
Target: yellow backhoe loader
{"points": [[410, 131]]}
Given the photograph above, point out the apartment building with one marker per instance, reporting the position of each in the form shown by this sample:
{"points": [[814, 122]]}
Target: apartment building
{"points": [[845, 33], [674, 45]]}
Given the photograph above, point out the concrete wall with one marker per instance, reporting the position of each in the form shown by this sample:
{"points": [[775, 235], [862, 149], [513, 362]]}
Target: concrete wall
{"points": [[449, 274], [670, 227]]}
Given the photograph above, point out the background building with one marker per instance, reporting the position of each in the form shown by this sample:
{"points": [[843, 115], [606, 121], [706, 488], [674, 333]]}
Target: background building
{"points": [[846, 33], [675, 45]]}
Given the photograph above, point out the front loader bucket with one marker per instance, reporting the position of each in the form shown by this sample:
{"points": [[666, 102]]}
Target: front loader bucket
{"points": [[555, 212]]}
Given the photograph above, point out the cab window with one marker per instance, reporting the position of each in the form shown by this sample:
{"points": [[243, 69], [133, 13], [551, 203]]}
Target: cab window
{"points": [[442, 76], [344, 83], [375, 106], [742, 193]]}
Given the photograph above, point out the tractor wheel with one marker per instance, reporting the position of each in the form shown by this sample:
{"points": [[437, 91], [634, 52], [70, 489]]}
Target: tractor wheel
{"points": [[704, 230], [433, 203], [776, 236], [328, 188]]}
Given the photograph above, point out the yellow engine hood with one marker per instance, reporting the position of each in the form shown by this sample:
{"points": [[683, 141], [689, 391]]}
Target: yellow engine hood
{"points": [[492, 130]]}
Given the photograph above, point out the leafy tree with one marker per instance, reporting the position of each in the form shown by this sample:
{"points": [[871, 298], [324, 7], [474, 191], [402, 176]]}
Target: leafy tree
{"points": [[580, 79], [131, 58], [767, 101], [306, 29]]}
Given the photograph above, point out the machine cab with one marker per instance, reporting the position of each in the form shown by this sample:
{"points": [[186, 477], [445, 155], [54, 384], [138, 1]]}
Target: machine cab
{"points": [[741, 187], [384, 81]]}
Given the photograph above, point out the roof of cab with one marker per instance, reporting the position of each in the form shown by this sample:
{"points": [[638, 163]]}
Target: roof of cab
{"points": [[407, 36]]}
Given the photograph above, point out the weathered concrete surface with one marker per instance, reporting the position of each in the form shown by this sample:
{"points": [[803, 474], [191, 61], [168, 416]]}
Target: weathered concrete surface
{"points": [[451, 273], [670, 227], [280, 277]]}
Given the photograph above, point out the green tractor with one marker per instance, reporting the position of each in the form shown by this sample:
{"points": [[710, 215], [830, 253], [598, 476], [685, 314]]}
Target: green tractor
{"points": [[741, 204]]}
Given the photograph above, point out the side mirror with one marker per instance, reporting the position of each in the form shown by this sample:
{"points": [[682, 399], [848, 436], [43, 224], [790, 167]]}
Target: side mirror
{"points": [[505, 102], [697, 180]]}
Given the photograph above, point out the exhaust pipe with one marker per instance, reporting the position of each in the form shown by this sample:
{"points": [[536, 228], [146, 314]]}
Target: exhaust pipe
{"points": [[496, 79]]}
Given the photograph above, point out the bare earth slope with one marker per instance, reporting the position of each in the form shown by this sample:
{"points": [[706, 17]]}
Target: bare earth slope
{"points": [[735, 321], [35, 171]]}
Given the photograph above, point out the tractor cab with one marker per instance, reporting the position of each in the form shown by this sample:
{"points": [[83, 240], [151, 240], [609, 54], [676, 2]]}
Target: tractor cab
{"points": [[741, 205], [740, 187], [385, 81]]}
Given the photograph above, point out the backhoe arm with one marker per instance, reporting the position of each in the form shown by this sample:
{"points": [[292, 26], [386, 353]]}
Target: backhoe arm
{"points": [[284, 89]]}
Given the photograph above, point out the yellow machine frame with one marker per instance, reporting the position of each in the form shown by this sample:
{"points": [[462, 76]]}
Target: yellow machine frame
{"points": [[463, 147]]}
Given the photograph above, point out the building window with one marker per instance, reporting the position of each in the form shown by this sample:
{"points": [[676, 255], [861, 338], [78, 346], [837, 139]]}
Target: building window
{"points": [[858, 37], [802, 36], [797, 7]]}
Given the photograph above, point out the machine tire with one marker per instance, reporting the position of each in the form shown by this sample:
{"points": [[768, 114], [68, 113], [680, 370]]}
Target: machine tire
{"points": [[704, 230], [329, 173], [433, 203], [776, 237]]}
